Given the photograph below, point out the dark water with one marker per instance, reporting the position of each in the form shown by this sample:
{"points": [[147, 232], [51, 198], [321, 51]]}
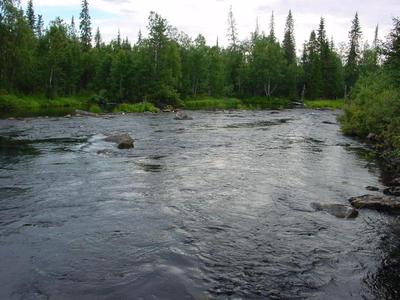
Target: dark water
{"points": [[217, 207]]}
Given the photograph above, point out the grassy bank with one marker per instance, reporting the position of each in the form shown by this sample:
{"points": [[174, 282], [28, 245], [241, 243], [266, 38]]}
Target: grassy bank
{"points": [[136, 108], [325, 104], [234, 103], [11, 105], [27, 106]]}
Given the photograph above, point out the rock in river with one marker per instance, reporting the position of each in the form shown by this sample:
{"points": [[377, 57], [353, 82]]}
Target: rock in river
{"points": [[337, 210], [372, 188], [85, 113], [395, 182], [392, 191], [181, 115], [124, 141], [383, 203]]}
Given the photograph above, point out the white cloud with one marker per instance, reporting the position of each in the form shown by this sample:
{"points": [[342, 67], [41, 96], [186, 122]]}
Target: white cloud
{"points": [[209, 17]]}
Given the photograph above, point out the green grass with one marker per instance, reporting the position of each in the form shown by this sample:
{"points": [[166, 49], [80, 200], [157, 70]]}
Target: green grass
{"points": [[12, 105], [325, 104], [136, 108], [233, 103]]}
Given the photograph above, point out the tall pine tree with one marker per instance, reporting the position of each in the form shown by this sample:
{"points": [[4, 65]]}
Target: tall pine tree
{"points": [[353, 57], [30, 15], [85, 26]]}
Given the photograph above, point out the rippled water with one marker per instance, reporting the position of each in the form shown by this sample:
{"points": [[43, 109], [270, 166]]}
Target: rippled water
{"points": [[217, 207]]}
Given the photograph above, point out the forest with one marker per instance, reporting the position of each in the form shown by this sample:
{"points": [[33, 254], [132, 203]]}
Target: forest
{"points": [[168, 65]]}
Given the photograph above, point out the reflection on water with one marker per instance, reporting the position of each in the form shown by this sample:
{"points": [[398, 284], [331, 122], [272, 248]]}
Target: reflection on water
{"points": [[217, 207]]}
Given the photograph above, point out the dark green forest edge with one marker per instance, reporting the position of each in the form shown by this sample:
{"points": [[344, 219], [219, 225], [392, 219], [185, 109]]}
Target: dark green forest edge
{"points": [[62, 68]]}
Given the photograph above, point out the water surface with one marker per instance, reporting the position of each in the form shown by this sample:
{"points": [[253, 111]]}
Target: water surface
{"points": [[217, 207]]}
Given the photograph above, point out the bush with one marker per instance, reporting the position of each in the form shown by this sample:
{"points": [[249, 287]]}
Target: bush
{"points": [[232, 103], [325, 104], [136, 108], [165, 95], [374, 107], [94, 108]]}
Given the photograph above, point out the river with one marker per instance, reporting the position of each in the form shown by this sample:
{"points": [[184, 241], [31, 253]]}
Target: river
{"points": [[217, 207]]}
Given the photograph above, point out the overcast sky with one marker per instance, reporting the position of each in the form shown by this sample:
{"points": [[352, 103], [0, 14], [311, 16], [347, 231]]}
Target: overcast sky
{"points": [[209, 17]]}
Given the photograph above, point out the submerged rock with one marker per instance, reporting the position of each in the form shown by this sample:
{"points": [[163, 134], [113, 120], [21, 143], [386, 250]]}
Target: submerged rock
{"points": [[181, 115], [393, 191], [124, 141], [382, 203], [338, 210], [79, 112], [395, 182], [372, 188]]}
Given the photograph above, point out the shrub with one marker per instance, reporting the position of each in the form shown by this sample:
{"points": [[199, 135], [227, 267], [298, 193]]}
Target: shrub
{"points": [[374, 107], [136, 108]]}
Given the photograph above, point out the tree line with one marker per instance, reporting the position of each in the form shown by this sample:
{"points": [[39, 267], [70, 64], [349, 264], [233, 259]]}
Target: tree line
{"points": [[64, 59]]}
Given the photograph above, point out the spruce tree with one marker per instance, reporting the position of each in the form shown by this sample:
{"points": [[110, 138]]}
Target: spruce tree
{"points": [[392, 51], [72, 29], [272, 28], [232, 29], [39, 28], [353, 57], [85, 26], [97, 39], [30, 15], [289, 43]]}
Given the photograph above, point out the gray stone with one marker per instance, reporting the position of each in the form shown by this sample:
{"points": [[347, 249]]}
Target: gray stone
{"points": [[382, 203], [392, 191], [124, 141], [372, 188], [181, 115], [338, 210], [395, 182], [79, 112]]}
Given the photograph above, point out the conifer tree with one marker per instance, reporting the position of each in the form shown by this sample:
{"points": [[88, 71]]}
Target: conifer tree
{"points": [[85, 26], [353, 57], [30, 15], [272, 28], [289, 43], [39, 27], [232, 29], [97, 39]]}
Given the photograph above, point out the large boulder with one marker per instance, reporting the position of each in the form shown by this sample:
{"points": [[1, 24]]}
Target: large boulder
{"points": [[181, 115], [338, 210], [124, 141], [382, 203]]}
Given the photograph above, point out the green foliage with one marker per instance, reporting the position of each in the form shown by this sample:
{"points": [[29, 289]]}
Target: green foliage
{"points": [[33, 104], [213, 104], [374, 107], [136, 108], [325, 104], [94, 108], [233, 103]]}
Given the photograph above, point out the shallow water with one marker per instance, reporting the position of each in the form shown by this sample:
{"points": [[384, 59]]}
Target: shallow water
{"points": [[217, 207]]}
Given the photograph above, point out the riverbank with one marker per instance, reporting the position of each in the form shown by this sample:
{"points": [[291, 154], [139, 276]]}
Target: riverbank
{"points": [[372, 114], [257, 103], [28, 106], [325, 104], [32, 106]]}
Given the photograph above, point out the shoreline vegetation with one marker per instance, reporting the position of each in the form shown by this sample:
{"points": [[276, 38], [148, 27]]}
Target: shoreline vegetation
{"points": [[31, 106]]}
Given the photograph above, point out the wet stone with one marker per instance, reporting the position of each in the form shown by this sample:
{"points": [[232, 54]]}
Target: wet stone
{"points": [[337, 210], [382, 203]]}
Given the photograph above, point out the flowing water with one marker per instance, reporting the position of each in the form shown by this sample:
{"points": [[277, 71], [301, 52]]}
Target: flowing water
{"points": [[217, 207]]}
